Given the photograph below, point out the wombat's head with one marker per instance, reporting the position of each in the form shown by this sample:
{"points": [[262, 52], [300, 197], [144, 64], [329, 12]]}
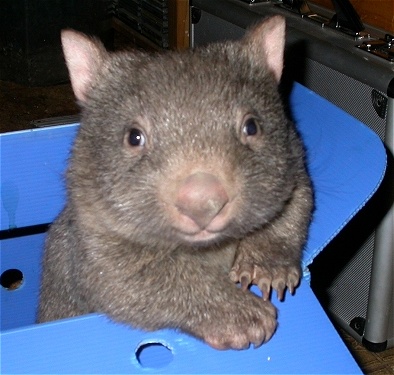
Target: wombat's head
{"points": [[181, 147]]}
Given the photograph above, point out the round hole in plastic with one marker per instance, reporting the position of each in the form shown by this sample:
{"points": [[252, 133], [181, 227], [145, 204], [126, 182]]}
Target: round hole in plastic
{"points": [[11, 279], [154, 355]]}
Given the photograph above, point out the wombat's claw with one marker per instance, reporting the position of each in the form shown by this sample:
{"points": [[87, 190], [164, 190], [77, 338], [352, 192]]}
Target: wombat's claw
{"points": [[264, 284], [279, 286], [249, 274], [289, 280], [245, 281], [244, 276], [293, 281]]}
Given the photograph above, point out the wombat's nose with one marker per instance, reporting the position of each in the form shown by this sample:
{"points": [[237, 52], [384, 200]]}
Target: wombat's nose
{"points": [[201, 197]]}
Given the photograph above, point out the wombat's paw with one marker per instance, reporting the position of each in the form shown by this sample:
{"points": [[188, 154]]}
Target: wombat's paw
{"points": [[278, 277], [255, 329]]}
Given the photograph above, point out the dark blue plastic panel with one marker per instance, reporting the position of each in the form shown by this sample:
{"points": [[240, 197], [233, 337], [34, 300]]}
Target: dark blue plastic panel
{"points": [[346, 161], [18, 307], [305, 343], [32, 173]]}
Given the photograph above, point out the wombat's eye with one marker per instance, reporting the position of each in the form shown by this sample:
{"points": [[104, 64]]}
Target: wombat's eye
{"points": [[250, 131], [136, 138], [250, 128]]}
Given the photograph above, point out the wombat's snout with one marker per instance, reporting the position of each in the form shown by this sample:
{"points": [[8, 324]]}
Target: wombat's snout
{"points": [[201, 197]]}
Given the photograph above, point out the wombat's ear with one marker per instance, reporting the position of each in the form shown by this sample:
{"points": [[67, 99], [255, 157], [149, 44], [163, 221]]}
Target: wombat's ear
{"points": [[83, 58], [267, 41]]}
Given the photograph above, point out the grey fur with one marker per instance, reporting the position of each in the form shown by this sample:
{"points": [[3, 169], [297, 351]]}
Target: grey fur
{"points": [[126, 243]]}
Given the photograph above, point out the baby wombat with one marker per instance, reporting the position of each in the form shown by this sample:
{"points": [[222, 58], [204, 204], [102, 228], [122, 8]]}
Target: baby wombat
{"points": [[185, 178]]}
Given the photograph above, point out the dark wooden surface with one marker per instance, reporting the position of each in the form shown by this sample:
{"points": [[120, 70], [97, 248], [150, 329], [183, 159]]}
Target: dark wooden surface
{"points": [[378, 13]]}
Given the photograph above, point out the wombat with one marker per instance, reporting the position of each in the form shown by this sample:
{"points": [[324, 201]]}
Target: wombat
{"points": [[186, 184]]}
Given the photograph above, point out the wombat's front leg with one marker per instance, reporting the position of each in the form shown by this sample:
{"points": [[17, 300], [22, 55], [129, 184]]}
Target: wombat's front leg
{"points": [[187, 293], [231, 321], [271, 256]]}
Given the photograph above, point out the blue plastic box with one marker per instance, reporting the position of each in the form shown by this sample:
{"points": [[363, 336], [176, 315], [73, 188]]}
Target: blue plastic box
{"points": [[346, 161]]}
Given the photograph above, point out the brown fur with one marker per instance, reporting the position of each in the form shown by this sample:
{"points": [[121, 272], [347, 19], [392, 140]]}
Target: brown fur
{"points": [[157, 233]]}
